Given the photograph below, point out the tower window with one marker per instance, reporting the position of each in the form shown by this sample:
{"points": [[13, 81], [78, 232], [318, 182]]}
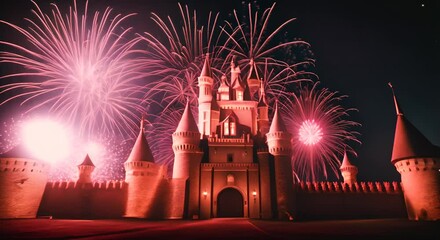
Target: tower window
{"points": [[233, 129], [226, 128], [230, 157]]}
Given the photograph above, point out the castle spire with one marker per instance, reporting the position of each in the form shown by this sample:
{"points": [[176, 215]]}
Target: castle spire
{"points": [[262, 101], [345, 161], [348, 170], [409, 142], [87, 161], [141, 150], [277, 122], [396, 104], [206, 70], [187, 122]]}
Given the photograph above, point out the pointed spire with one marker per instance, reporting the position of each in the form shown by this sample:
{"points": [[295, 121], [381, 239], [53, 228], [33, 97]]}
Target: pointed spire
{"points": [[187, 122], [141, 150], [253, 72], [262, 101], [206, 70], [398, 110], [409, 142], [87, 161], [345, 162], [277, 122]]}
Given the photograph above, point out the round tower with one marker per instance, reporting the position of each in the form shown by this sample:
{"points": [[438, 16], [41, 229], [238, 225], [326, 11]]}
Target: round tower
{"points": [[22, 184], [418, 162], [348, 170], [205, 83], [85, 170], [143, 177], [187, 158], [278, 142]]}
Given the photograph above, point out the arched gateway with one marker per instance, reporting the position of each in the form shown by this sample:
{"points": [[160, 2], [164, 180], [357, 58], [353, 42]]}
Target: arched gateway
{"points": [[230, 203]]}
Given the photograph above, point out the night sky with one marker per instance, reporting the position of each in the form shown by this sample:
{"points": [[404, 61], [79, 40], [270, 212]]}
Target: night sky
{"points": [[359, 47]]}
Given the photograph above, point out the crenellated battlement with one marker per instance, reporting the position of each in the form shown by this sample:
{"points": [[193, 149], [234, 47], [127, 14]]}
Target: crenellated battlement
{"points": [[106, 185], [417, 164], [357, 187], [22, 165]]}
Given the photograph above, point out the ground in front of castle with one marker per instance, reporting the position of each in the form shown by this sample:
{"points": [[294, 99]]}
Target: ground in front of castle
{"points": [[218, 228]]}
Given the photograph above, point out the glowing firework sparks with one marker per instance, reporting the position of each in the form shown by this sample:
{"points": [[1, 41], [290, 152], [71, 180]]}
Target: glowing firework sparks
{"points": [[81, 68], [253, 42], [175, 56], [320, 132], [310, 133]]}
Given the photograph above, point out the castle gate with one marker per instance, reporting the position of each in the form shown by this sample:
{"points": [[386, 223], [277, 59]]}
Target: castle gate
{"points": [[230, 203]]}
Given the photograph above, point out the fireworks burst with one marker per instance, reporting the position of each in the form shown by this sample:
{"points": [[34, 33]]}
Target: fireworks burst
{"points": [[320, 130], [81, 68], [254, 45], [175, 56]]}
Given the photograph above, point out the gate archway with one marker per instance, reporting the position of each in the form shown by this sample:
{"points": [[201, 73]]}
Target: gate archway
{"points": [[230, 203]]}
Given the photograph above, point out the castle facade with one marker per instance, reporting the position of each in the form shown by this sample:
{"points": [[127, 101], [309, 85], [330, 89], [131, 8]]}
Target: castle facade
{"points": [[233, 162]]}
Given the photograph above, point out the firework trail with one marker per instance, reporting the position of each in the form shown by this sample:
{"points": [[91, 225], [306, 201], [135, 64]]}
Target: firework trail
{"points": [[175, 56], [320, 130], [254, 45], [78, 64]]}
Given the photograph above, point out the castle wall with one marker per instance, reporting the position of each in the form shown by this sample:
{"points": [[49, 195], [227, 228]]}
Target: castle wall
{"points": [[335, 200], [22, 183], [84, 200]]}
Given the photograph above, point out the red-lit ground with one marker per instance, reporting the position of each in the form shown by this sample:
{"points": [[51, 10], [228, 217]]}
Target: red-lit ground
{"points": [[218, 229]]}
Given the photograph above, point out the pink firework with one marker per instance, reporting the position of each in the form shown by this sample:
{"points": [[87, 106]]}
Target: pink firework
{"points": [[320, 132], [175, 54], [78, 65], [253, 42], [310, 133]]}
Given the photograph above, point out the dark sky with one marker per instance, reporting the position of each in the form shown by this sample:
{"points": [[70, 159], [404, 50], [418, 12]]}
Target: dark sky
{"points": [[359, 46]]}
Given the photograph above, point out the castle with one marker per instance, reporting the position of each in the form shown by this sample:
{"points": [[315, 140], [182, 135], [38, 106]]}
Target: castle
{"points": [[232, 162]]}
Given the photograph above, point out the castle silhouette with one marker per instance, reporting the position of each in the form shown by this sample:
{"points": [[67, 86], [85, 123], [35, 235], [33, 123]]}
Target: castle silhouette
{"points": [[234, 162]]}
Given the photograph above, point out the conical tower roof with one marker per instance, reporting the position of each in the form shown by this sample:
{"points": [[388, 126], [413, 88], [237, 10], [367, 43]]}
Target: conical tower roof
{"points": [[346, 162], [141, 150], [187, 122], [409, 142], [87, 161], [277, 122], [206, 70], [253, 71]]}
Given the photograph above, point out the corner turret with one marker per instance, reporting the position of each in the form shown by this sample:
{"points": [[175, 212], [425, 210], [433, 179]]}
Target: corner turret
{"points": [[278, 141], [143, 177], [418, 162], [348, 170], [187, 158], [85, 170], [253, 78]]}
